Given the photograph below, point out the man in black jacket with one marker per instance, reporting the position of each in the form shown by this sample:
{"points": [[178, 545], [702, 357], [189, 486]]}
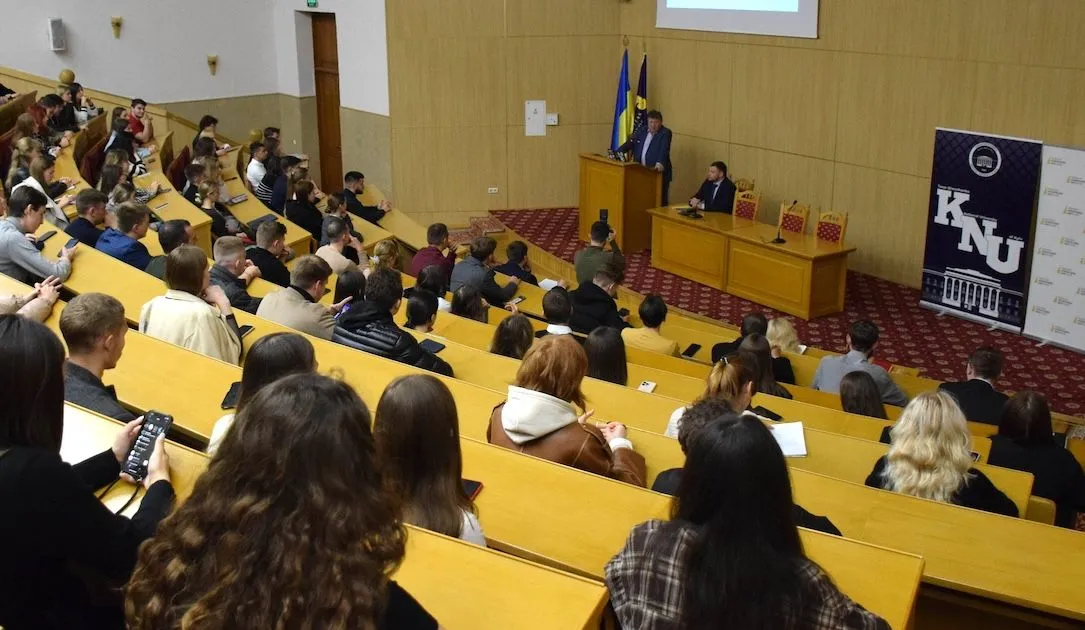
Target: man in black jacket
{"points": [[369, 326], [269, 252], [978, 398], [717, 193], [93, 326], [593, 303], [233, 272], [354, 185]]}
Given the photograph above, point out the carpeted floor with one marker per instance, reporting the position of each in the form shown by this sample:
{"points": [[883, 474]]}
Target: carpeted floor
{"points": [[910, 335]]}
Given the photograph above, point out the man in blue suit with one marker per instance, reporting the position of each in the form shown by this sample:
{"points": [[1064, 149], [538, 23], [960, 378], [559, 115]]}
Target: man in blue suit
{"points": [[651, 147]]}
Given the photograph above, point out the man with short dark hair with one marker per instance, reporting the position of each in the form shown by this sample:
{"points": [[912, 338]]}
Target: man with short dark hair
{"points": [[754, 322], [171, 235], [653, 312], [339, 240], [517, 265], [717, 193], [90, 204], [19, 256], [139, 123], [194, 175], [651, 147], [557, 309], [370, 327], [269, 252], [271, 132], [588, 260], [434, 252], [476, 270], [421, 310], [977, 396], [122, 242], [93, 326], [354, 185], [593, 302], [256, 170], [234, 273], [862, 338], [298, 306]]}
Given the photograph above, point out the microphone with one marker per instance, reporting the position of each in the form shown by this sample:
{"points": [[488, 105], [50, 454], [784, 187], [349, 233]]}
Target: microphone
{"points": [[779, 240]]}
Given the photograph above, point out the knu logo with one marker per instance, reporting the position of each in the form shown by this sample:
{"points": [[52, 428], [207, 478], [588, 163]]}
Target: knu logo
{"points": [[973, 238]]}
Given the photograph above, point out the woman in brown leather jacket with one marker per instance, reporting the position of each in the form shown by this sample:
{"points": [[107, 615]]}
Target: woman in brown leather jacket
{"points": [[539, 417]]}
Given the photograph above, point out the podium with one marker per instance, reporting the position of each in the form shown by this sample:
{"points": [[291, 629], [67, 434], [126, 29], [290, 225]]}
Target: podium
{"points": [[626, 190]]}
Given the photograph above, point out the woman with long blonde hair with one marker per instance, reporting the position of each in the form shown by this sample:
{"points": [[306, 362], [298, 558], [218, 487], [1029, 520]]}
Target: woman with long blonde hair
{"points": [[783, 336], [385, 256], [931, 457]]}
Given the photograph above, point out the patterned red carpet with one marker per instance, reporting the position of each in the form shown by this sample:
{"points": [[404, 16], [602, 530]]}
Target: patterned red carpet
{"points": [[910, 335]]}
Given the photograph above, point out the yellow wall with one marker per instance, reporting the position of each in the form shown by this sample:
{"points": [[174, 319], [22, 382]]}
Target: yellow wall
{"points": [[460, 71], [847, 121]]}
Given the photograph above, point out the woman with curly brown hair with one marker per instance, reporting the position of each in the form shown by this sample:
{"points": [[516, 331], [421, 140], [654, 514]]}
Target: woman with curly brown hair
{"points": [[289, 527]]}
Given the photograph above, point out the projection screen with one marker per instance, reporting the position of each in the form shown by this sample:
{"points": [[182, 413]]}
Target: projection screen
{"points": [[785, 18]]}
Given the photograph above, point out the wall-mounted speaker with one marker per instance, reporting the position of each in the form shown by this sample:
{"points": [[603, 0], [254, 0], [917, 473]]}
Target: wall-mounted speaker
{"points": [[58, 36]]}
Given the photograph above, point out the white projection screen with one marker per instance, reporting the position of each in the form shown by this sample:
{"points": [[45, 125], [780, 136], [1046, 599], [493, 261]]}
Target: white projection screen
{"points": [[786, 18]]}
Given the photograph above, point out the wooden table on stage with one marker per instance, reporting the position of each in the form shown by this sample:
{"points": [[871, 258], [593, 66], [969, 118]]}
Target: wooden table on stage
{"points": [[692, 248], [804, 276], [626, 190]]}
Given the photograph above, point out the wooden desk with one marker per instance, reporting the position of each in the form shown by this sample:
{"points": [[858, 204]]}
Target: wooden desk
{"points": [[804, 276], [692, 248], [626, 190], [252, 208], [171, 204]]}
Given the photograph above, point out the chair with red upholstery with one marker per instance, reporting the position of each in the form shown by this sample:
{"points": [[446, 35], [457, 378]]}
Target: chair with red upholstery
{"points": [[175, 172], [91, 165], [747, 205], [793, 217], [831, 226]]}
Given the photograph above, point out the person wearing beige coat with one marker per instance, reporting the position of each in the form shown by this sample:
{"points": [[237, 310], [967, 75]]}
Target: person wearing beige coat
{"points": [[297, 305]]}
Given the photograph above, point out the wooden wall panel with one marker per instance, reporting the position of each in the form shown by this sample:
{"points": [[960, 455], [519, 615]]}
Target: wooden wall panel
{"points": [[691, 156], [690, 82], [565, 71], [429, 19], [562, 17], [544, 171], [1032, 102], [784, 177]]}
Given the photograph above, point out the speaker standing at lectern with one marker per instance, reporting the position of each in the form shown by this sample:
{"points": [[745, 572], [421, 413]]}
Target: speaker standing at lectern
{"points": [[651, 146], [717, 193]]}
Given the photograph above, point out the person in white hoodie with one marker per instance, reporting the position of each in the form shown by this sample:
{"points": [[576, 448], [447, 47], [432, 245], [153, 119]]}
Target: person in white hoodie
{"points": [[731, 380], [539, 417]]}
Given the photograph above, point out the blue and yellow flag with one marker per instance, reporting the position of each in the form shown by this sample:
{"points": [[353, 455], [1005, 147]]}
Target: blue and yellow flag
{"points": [[623, 108], [640, 114]]}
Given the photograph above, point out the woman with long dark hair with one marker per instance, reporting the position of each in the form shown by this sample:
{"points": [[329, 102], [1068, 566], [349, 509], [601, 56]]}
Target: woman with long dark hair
{"points": [[290, 526], [349, 284], [55, 535], [731, 556], [513, 337], [606, 356], [859, 394], [417, 433], [467, 302], [270, 358], [756, 350], [433, 279], [124, 141]]}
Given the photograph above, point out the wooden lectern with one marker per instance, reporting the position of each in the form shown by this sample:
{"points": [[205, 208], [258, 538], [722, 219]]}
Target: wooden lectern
{"points": [[626, 190]]}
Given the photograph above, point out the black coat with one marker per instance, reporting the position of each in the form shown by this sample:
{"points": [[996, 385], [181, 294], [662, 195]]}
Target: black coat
{"points": [[592, 308], [371, 329], [307, 216], [235, 289], [271, 268], [724, 199], [978, 493], [979, 401], [373, 214], [1058, 475]]}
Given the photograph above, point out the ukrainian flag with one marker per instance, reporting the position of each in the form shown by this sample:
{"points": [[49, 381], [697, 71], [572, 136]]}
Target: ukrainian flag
{"points": [[623, 108]]}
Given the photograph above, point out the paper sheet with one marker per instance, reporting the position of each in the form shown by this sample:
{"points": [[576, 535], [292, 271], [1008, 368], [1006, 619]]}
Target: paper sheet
{"points": [[791, 438], [547, 283]]}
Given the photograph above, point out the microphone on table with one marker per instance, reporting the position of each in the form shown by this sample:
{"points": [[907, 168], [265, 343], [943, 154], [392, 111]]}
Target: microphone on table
{"points": [[779, 224]]}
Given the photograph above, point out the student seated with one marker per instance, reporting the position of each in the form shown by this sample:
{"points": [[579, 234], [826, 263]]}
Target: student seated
{"points": [[208, 128], [194, 176], [757, 323], [593, 302], [704, 413], [42, 170], [731, 556], [265, 192], [433, 279], [23, 153], [434, 253], [862, 339], [476, 271], [234, 273], [300, 451], [255, 171], [298, 306], [755, 349], [125, 142], [269, 253], [467, 302], [349, 285], [20, 259], [977, 396], [653, 312], [90, 204], [54, 107], [385, 256], [783, 337], [541, 417], [859, 394], [339, 240], [353, 187], [139, 123], [513, 337], [1025, 442], [421, 311], [732, 380], [370, 326], [114, 178], [122, 242], [606, 356], [37, 304], [269, 359], [592, 258], [557, 309], [302, 210], [931, 458], [336, 209], [193, 313], [93, 326], [171, 235], [517, 265], [417, 433], [56, 537], [79, 104]]}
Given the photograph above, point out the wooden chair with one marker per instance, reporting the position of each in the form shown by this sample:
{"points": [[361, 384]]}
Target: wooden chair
{"points": [[747, 205], [793, 217], [1040, 510], [90, 167], [831, 226], [175, 170], [743, 185], [165, 150]]}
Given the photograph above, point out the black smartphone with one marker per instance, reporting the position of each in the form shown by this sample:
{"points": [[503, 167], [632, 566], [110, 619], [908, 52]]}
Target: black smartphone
{"points": [[432, 346], [471, 488], [44, 237], [155, 424], [604, 214], [517, 299], [245, 330], [691, 350], [72, 242], [623, 312], [232, 396]]}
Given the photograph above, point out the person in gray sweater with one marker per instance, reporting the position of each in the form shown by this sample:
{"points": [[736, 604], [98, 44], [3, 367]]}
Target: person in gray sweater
{"points": [[20, 255], [477, 271]]}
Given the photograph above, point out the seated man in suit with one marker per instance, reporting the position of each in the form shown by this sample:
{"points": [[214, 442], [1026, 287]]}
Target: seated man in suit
{"points": [[354, 185], [717, 193], [977, 396], [93, 326], [651, 147], [298, 306], [558, 309], [862, 338], [593, 303]]}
